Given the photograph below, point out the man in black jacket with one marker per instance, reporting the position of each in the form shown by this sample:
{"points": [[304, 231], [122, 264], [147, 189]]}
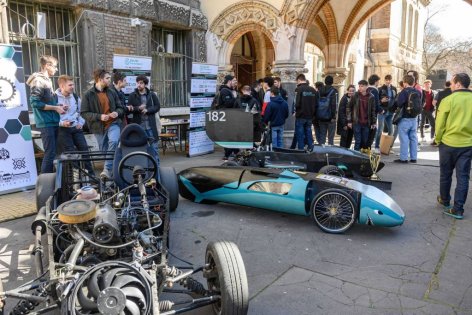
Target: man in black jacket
{"points": [[143, 105], [306, 100], [249, 104], [342, 129], [102, 111], [327, 124], [226, 99], [387, 95], [278, 84]]}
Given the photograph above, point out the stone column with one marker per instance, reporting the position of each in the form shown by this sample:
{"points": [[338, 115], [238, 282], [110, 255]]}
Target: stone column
{"points": [[4, 38], [143, 38], [288, 70]]}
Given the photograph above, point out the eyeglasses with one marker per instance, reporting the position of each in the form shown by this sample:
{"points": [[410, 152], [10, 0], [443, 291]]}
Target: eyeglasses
{"points": [[52, 65]]}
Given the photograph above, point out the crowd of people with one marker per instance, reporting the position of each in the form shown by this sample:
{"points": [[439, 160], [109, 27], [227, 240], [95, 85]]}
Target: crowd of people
{"points": [[360, 115], [61, 115]]}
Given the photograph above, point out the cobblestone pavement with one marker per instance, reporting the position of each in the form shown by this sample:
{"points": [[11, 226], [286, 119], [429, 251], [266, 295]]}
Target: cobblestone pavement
{"points": [[17, 205]]}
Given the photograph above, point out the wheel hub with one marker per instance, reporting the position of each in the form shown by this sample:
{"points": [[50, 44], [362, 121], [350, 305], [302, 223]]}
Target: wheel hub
{"points": [[333, 211], [111, 301]]}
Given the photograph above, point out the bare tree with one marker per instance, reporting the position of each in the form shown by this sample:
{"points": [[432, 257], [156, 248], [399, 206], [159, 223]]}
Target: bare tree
{"points": [[439, 53]]}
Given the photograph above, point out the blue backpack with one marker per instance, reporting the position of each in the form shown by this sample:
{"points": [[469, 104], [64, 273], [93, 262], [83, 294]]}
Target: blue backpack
{"points": [[323, 111]]}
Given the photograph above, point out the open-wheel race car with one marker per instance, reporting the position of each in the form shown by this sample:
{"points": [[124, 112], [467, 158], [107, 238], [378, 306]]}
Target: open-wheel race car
{"points": [[107, 243], [334, 203]]}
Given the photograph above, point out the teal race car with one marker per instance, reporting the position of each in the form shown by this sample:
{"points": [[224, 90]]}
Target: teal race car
{"points": [[334, 203]]}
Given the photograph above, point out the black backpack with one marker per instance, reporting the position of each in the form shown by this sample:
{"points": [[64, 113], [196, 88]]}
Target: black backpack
{"points": [[215, 104], [414, 106], [323, 111]]}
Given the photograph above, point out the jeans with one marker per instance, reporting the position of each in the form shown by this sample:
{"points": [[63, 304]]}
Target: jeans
{"points": [[427, 114], [408, 139], [327, 127], [49, 139], [381, 120], [154, 146], [451, 158], [361, 136], [277, 136], [73, 139], [316, 126], [108, 141], [346, 138], [303, 131]]}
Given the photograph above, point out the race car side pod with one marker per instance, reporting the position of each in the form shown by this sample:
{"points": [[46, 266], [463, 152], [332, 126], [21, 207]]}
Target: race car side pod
{"points": [[380, 184]]}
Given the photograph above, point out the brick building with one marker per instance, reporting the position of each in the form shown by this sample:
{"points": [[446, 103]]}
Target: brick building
{"points": [[85, 34]]}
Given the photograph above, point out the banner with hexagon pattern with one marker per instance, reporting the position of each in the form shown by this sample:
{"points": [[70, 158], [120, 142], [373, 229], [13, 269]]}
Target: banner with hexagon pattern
{"points": [[17, 161]]}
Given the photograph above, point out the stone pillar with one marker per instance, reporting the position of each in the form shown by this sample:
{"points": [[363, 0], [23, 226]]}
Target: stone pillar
{"points": [[4, 38], [339, 75], [288, 70], [143, 39]]}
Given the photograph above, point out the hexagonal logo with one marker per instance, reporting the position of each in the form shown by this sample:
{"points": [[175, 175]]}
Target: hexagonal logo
{"points": [[3, 135], [26, 133], [23, 117], [13, 126], [7, 52]]}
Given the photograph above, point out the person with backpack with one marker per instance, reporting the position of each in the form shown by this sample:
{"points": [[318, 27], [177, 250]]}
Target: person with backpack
{"points": [[71, 135], [410, 106], [325, 111], [306, 99], [361, 115], [387, 94]]}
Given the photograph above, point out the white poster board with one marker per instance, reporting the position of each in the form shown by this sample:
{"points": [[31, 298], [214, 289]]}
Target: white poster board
{"points": [[17, 162], [202, 92], [132, 66]]}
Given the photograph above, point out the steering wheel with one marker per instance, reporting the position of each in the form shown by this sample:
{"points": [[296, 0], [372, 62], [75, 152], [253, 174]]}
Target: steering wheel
{"points": [[123, 166]]}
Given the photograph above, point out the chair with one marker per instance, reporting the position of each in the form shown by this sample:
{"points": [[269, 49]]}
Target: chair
{"points": [[166, 140]]}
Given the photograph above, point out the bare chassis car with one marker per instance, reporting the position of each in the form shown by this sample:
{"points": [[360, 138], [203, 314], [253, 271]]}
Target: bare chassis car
{"points": [[113, 260]]}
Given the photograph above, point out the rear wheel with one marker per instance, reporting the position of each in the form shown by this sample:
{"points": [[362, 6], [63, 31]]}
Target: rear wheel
{"points": [[333, 211], [331, 170], [169, 181], [226, 276], [45, 186]]}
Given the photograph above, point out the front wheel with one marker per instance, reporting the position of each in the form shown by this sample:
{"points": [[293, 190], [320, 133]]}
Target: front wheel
{"points": [[226, 276], [331, 170], [333, 211], [169, 180]]}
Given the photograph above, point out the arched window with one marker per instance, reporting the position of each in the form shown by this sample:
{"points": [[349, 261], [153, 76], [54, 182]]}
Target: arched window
{"points": [[410, 25], [415, 43], [404, 28]]}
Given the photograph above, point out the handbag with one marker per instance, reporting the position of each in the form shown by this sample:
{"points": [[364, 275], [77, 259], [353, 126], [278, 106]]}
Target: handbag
{"points": [[397, 116]]}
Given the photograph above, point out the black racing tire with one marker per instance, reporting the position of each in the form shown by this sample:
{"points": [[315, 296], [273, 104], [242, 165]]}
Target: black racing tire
{"points": [[230, 163], [169, 180], [2, 302], [331, 170], [333, 210], [45, 186], [227, 277]]}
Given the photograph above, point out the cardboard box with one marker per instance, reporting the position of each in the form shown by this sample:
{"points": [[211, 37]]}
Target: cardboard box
{"points": [[386, 142]]}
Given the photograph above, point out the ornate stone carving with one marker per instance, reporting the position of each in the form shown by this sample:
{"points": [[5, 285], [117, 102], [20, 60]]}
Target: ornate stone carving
{"points": [[220, 77], [217, 41], [97, 24], [143, 8], [96, 4], [198, 20], [173, 13], [246, 12], [199, 47], [288, 74], [120, 6], [295, 11]]}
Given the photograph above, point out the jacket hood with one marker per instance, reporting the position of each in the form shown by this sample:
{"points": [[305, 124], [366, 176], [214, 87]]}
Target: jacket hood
{"points": [[37, 76], [277, 99], [59, 93]]}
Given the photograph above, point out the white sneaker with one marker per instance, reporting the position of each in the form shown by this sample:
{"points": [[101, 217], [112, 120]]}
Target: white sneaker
{"points": [[105, 173], [376, 150]]}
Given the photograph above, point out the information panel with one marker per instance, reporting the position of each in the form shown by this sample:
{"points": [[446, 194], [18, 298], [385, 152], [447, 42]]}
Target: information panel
{"points": [[202, 93], [17, 163], [132, 66]]}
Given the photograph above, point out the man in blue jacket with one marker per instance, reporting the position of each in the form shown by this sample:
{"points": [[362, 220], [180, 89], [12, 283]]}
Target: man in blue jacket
{"points": [[275, 114]]}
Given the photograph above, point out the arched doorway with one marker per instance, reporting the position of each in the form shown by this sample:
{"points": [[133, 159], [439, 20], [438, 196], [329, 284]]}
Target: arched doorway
{"points": [[252, 57], [315, 63]]}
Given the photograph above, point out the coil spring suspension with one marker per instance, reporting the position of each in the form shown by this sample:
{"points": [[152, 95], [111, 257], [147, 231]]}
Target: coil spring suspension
{"points": [[194, 286], [165, 305], [173, 272], [25, 306]]}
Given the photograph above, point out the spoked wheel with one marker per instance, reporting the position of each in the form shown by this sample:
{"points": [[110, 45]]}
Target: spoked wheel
{"points": [[111, 288], [226, 276], [333, 211], [331, 170]]}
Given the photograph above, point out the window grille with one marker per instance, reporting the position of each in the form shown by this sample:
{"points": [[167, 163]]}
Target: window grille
{"points": [[169, 69], [60, 42]]}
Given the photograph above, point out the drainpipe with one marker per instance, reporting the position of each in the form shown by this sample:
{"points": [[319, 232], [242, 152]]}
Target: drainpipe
{"points": [[369, 47], [4, 38]]}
